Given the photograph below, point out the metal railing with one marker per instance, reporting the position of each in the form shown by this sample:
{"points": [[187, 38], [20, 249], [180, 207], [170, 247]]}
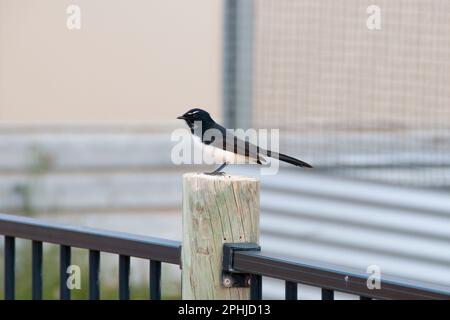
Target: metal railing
{"points": [[96, 241], [257, 263], [330, 279]]}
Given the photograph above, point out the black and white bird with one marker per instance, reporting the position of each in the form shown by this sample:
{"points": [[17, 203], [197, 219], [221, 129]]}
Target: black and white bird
{"points": [[225, 147]]}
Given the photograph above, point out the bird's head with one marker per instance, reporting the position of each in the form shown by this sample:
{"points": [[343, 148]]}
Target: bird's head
{"points": [[196, 115]]}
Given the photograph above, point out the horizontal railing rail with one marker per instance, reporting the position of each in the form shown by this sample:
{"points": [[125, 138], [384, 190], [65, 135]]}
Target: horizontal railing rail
{"points": [[259, 264], [332, 278], [90, 238]]}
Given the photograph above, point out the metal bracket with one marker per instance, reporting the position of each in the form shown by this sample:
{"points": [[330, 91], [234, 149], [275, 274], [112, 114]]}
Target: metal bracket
{"points": [[231, 277]]}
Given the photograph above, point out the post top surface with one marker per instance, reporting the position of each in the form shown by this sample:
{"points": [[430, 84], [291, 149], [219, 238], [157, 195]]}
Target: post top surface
{"points": [[225, 177]]}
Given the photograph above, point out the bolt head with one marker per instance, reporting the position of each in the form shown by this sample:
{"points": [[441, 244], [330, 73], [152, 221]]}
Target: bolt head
{"points": [[227, 282]]}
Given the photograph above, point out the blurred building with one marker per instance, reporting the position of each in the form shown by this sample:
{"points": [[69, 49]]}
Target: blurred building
{"points": [[130, 63]]}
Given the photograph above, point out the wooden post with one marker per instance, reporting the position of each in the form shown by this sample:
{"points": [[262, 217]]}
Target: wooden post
{"points": [[216, 209]]}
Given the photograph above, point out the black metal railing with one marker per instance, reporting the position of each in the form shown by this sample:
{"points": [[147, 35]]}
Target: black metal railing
{"points": [[330, 279], [126, 245], [256, 263]]}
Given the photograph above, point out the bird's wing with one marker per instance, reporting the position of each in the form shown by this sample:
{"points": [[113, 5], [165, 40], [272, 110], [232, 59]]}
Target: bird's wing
{"points": [[222, 138], [226, 140]]}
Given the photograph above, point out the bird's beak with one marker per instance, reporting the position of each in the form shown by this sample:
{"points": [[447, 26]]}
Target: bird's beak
{"points": [[181, 117]]}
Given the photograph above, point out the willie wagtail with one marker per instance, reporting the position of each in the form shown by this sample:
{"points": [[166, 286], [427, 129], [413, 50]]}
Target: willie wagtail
{"points": [[226, 147]]}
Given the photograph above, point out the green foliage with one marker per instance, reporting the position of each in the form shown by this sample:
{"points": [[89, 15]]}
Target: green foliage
{"points": [[25, 193], [40, 163]]}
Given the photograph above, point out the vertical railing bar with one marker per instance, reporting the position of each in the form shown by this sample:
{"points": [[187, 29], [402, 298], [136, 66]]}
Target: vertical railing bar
{"points": [[290, 290], [155, 280], [36, 271], [124, 277], [256, 287], [327, 294], [10, 262], [64, 263], [94, 272]]}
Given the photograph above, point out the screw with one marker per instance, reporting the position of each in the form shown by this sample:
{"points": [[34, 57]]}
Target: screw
{"points": [[248, 281], [227, 282]]}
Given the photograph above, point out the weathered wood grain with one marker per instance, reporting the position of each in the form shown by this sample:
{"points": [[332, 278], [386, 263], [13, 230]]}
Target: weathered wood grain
{"points": [[216, 209]]}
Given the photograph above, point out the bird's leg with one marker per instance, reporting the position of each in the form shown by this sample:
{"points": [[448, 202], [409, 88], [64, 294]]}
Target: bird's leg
{"points": [[217, 171]]}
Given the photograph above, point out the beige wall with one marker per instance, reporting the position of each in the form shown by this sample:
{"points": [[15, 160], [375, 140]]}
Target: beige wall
{"points": [[132, 61]]}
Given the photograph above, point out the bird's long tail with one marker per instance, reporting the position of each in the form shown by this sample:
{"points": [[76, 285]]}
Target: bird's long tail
{"points": [[295, 162]]}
